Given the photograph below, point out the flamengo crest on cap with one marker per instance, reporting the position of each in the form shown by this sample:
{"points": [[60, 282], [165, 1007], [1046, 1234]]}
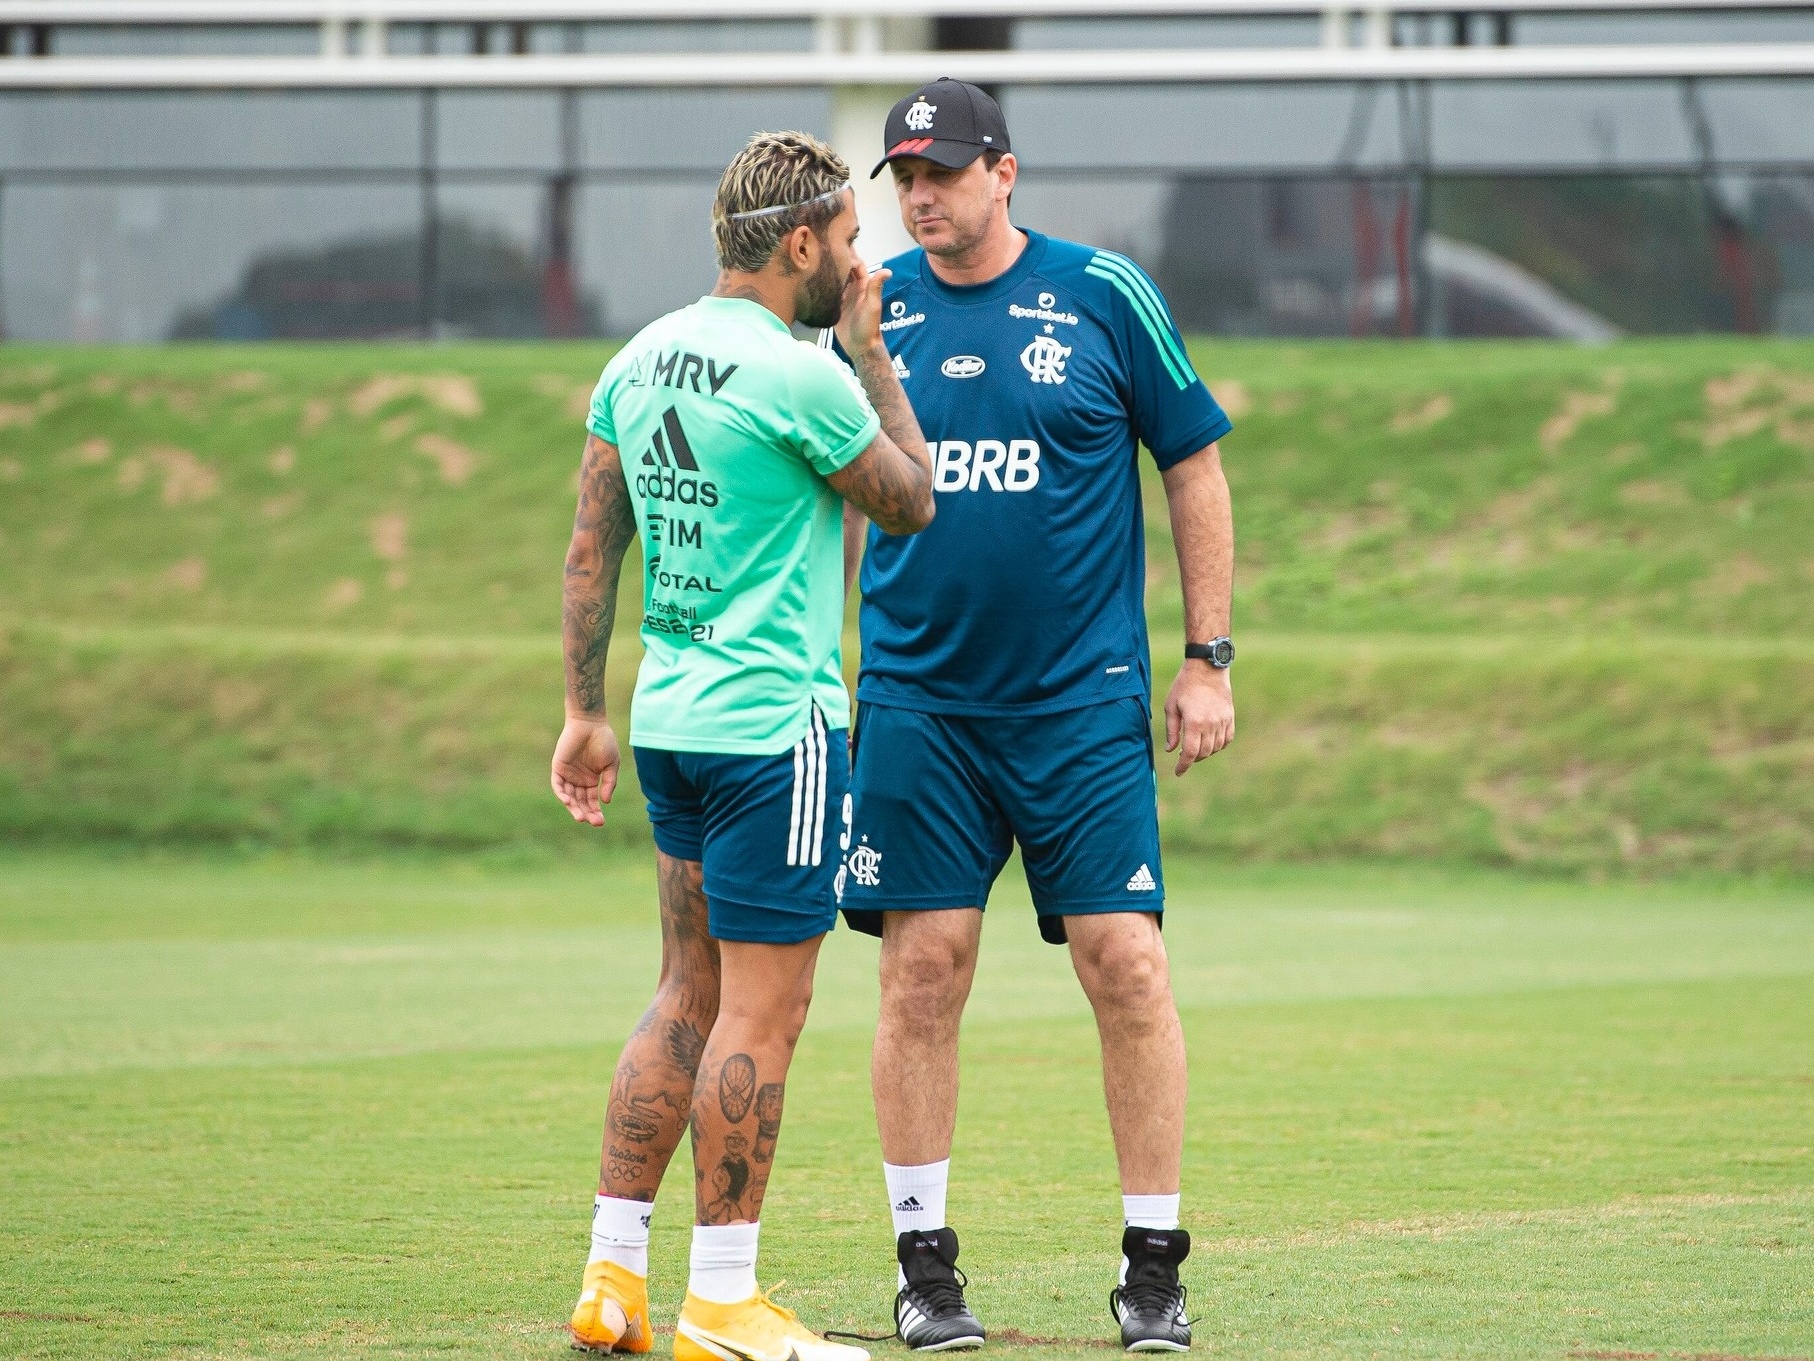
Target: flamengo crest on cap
{"points": [[919, 117]]}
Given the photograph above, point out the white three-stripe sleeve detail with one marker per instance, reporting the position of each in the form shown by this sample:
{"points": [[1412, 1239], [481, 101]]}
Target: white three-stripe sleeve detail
{"points": [[793, 827], [819, 815]]}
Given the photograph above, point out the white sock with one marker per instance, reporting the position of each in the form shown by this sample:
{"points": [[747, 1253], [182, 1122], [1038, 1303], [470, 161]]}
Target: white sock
{"points": [[620, 1233], [1148, 1212], [916, 1198], [724, 1262]]}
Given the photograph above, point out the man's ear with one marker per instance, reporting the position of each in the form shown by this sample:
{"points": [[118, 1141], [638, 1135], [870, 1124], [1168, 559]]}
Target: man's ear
{"points": [[798, 246], [1007, 171]]}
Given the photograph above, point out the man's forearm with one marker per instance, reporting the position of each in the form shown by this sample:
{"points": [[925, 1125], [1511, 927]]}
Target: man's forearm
{"points": [[1203, 531], [856, 530], [603, 528], [875, 370]]}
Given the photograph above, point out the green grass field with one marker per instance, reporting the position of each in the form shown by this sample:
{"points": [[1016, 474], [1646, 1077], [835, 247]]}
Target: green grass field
{"points": [[295, 1107], [1514, 605]]}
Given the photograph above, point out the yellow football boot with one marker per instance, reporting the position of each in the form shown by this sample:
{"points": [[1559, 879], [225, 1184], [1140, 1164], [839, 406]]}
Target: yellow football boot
{"points": [[613, 1311], [757, 1329]]}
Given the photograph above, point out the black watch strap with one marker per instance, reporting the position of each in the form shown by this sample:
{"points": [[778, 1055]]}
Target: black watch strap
{"points": [[1218, 652]]}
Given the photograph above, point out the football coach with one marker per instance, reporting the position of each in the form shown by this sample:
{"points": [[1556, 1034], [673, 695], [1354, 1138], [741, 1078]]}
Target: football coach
{"points": [[1005, 684]]}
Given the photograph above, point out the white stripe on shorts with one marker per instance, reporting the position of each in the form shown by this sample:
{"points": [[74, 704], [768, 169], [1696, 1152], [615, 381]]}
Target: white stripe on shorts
{"points": [[819, 814], [793, 826]]}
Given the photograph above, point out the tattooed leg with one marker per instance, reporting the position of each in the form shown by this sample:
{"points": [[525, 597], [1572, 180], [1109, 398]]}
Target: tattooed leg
{"points": [[652, 1090], [736, 1107]]}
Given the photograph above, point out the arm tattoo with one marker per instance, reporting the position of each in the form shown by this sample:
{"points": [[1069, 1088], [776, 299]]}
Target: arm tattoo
{"points": [[603, 529], [892, 486]]}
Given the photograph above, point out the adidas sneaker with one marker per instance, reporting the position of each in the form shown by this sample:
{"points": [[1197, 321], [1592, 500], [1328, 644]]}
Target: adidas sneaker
{"points": [[1149, 1305], [929, 1311]]}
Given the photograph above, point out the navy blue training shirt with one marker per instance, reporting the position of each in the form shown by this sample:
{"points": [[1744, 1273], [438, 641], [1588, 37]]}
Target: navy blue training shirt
{"points": [[1026, 594]]}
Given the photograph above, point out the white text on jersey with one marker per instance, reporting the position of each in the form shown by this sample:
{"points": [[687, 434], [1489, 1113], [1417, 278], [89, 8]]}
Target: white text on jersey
{"points": [[1011, 465]]}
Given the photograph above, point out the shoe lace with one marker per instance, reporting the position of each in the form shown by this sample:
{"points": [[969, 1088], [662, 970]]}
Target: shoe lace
{"points": [[1150, 1295], [768, 1300], [944, 1294]]}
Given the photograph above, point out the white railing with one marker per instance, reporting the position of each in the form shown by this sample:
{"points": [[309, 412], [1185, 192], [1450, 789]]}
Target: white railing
{"points": [[907, 68], [849, 47], [258, 12]]}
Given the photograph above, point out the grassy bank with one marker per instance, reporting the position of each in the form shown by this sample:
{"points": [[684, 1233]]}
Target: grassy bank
{"points": [[1506, 604]]}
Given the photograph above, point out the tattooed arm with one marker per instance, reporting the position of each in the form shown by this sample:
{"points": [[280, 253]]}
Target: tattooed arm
{"points": [[891, 480], [584, 773]]}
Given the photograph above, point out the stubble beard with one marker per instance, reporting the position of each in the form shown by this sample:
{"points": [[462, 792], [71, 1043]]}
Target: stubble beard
{"points": [[821, 297]]}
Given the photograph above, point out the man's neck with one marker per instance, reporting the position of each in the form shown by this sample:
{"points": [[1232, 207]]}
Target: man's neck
{"points": [[756, 288], [989, 259]]}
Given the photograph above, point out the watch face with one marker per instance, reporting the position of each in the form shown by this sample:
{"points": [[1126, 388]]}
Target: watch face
{"points": [[1222, 652]]}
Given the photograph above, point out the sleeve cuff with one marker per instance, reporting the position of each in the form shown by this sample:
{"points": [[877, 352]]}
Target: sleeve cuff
{"points": [[608, 435], [847, 452], [1194, 442]]}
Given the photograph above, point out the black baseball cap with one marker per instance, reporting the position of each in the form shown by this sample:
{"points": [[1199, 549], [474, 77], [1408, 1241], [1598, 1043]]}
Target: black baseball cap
{"points": [[949, 122]]}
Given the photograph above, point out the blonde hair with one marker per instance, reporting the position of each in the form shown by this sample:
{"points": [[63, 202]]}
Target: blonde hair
{"points": [[779, 182]]}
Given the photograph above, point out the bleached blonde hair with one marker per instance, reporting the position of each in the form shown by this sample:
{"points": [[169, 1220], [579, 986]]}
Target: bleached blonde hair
{"points": [[780, 181]]}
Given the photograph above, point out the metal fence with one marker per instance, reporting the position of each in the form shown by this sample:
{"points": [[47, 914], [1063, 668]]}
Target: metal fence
{"points": [[175, 170]]}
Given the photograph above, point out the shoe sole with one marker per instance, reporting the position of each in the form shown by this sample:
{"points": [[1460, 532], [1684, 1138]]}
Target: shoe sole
{"points": [[1157, 1345], [968, 1343]]}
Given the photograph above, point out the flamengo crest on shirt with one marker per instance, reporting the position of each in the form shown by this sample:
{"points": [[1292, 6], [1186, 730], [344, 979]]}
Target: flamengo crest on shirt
{"points": [[1044, 358]]}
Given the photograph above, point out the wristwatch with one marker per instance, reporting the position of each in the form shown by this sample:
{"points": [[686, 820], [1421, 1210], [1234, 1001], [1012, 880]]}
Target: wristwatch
{"points": [[1218, 652]]}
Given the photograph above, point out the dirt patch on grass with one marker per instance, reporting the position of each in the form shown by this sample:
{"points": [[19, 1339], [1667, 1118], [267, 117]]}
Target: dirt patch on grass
{"points": [[575, 398], [17, 413], [344, 594], [190, 575], [282, 461], [11, 470], [1576, 408], [453, 460], [453, 393], [87, 454], [1749, 400], [1233, 395], [1653, 492], [390, 536], [186, 478], [1423, 417]]}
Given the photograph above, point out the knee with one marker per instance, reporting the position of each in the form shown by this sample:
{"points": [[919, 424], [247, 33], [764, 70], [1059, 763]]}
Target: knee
{"points": [[779, 1013], [692, 1002], [1126, 978], [927, 978]]}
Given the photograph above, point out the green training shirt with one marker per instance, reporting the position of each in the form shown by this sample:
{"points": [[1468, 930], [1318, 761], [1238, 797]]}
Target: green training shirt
{"points": [[728, 428]]}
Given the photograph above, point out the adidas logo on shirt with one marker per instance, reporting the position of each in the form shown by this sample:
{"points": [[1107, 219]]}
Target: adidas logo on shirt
{"points": [[1142, 882], [900, 368]]}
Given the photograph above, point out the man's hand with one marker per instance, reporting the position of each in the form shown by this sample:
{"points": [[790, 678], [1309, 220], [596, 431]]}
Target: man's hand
{"points": [[1199, 714], [859, 325], [585, 768]]}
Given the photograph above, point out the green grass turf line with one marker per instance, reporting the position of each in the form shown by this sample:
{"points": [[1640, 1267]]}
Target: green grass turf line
{"points": [[1434, 1113]]}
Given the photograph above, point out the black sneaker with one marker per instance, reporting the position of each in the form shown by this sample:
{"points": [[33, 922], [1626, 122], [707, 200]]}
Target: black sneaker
{"points": [[1149, 1306], [930, 1311]]}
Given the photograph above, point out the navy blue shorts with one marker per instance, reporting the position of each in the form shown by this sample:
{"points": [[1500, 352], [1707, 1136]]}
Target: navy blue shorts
{"points": [[938, 801], [759, 826]]}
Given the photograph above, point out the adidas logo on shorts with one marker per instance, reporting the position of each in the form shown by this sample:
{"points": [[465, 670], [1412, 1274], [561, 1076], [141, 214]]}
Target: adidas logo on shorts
{"points": [[1142, 882]]}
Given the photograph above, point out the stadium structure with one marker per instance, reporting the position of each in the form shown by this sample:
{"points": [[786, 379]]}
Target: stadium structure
{"points": [[441, 168]]}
